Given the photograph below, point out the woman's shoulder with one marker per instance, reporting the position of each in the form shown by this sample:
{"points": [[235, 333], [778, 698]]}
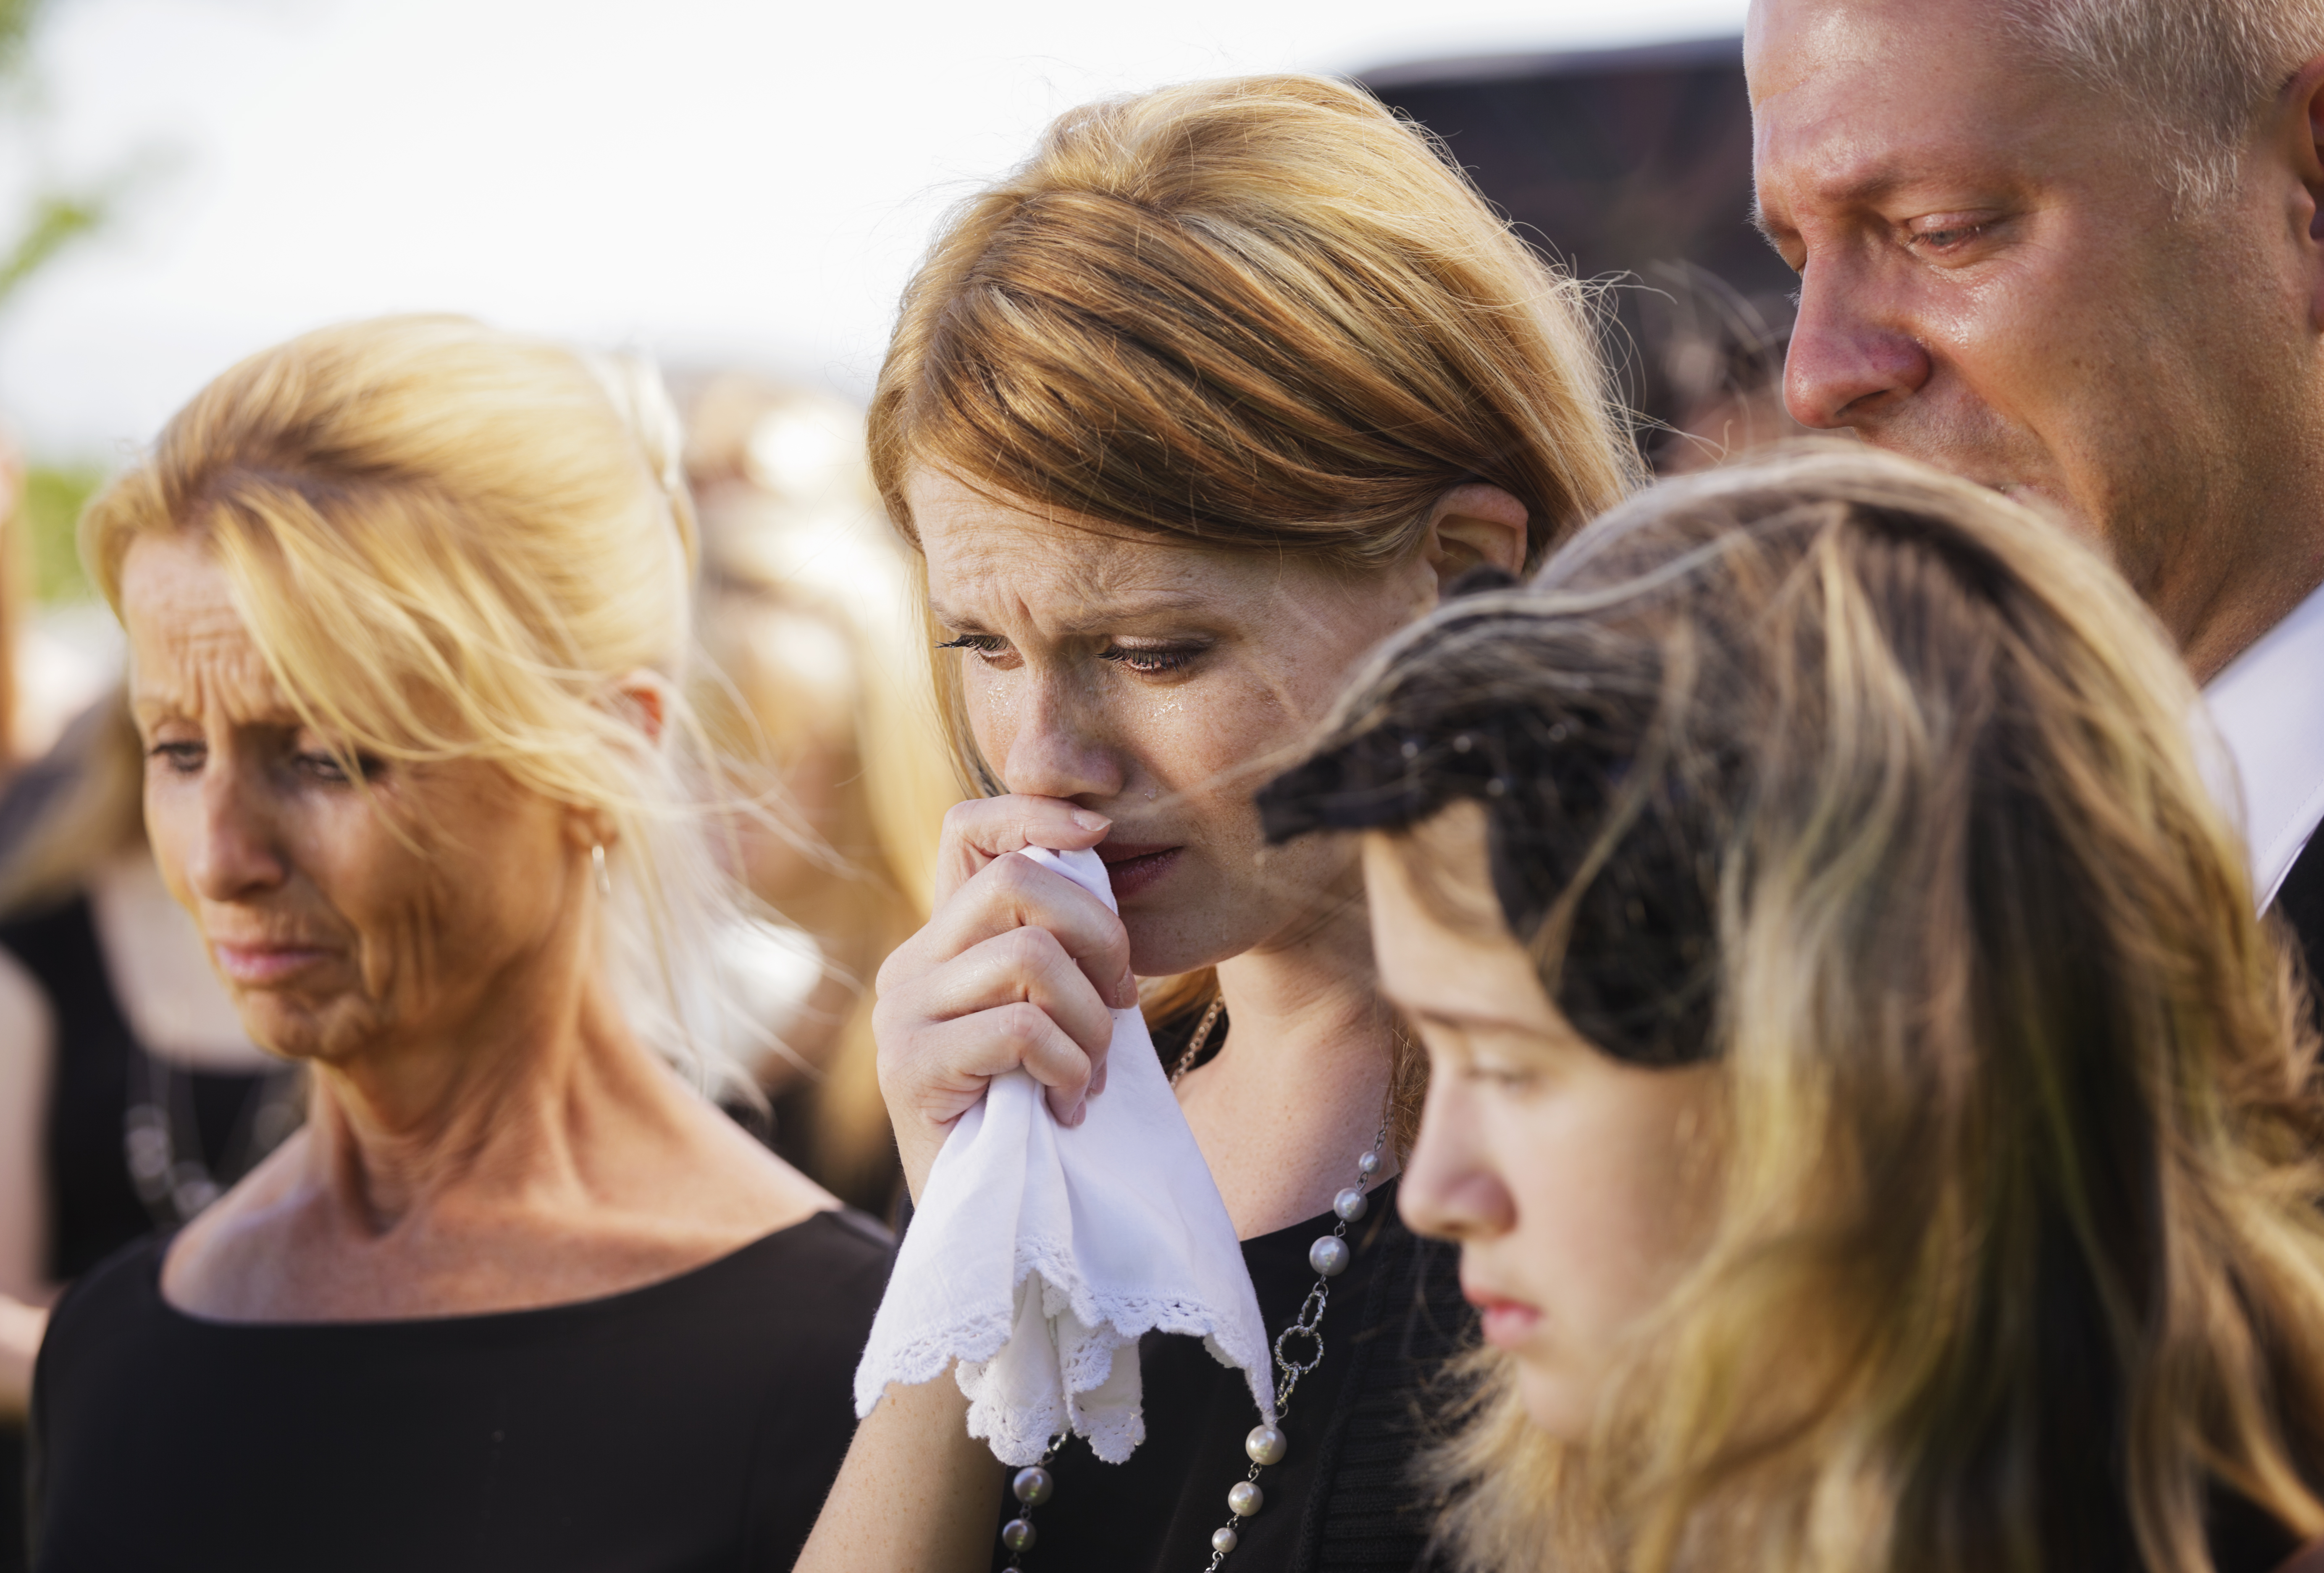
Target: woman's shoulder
{"points": [[809, 1289], [108, 1309], [842, 1254]]}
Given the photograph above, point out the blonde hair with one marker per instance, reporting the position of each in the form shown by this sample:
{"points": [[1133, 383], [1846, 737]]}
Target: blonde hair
{"points": [[808, 614], [1258, 314], [2197, 73], [451, 542], [2016, 1254]]}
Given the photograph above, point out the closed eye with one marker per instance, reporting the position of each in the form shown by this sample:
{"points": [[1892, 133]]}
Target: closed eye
{"points": [[1506, 1078]]}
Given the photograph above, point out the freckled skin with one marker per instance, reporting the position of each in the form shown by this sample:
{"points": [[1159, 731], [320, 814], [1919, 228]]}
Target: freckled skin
{"points": [[1998, 278], [1171, 757]]}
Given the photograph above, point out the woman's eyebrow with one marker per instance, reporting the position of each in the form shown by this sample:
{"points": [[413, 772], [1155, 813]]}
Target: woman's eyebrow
{"points": [[1102, 613], [1468, 1020]]}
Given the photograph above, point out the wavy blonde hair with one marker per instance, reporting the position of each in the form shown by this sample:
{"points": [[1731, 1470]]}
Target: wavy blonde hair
{"points": [[451, 542], [1260, 314], [2017, 1261]]}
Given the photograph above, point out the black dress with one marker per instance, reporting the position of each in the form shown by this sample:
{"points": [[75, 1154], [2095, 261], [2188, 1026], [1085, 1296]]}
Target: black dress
{"points": [[1342, 1499], [693, 1424]]}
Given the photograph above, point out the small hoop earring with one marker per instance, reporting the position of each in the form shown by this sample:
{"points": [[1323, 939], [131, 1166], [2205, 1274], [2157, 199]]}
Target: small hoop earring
{"points": [[597, 861]]}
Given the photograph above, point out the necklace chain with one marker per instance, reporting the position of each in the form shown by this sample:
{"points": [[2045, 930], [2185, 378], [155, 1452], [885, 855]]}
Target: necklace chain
{"points": [[161, 1136], [1201, 1035], [1266, 1445]]}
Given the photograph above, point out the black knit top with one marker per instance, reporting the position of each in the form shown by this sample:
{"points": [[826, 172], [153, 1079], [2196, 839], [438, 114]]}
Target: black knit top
{"points": [[689, 1426]]}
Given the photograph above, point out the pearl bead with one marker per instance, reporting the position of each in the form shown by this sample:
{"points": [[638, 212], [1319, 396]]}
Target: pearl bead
{"points": [[1266, 1445], [1245, 1498], [1223, 1540], [1033, 1485], [1349, 1204], [1017, 1535], [1368, 1165], [1329, 1255]]}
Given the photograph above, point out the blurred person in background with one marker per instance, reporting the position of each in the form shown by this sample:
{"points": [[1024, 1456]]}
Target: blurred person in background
{"points": [[1817, 1231], [2074, 250], [14, 565], [811, 620], [130, 1096], [1225, 385], [409, 607]]}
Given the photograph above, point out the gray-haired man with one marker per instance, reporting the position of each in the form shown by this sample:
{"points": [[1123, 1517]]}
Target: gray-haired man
{"points": [[2073, 249]]}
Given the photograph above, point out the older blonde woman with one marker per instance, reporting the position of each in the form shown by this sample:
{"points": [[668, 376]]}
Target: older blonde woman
{"points": [[407, 605], [1877, 1134]]}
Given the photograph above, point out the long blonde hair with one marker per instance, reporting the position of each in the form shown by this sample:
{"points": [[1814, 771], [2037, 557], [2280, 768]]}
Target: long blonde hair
{"points": [[2017, 1256], [451, 542], [1260, 314]]}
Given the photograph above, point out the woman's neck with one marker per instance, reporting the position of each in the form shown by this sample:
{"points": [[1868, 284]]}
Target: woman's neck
{"points": [[1296, 1094], [490, 1120], [482, 1176]]}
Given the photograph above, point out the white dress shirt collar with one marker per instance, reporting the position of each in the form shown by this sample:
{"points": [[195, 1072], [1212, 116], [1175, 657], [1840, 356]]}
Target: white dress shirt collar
{"points": [[2268, 706]]}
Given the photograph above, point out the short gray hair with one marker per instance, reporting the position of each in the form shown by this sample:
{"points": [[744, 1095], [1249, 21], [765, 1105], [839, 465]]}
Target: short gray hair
{"points": [[2208, 69]]}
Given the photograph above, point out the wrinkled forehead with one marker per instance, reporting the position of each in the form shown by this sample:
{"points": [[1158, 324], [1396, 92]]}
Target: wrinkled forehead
{"points": [[190, 649], [991, 561], [1857, 97]]}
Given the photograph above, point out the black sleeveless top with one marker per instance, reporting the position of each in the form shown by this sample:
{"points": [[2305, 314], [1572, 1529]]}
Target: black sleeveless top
{"points": [[691, 1425], [93, 1205], [1343, 1498]]}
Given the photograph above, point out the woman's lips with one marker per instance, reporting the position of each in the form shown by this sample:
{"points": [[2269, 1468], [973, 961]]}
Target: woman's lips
{"points": [[1508, 1323], [1134, 867], [257, 965]]}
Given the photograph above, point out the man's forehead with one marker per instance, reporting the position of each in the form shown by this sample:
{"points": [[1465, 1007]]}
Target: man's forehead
{"points": [[1789, 43], [1854, 100]]}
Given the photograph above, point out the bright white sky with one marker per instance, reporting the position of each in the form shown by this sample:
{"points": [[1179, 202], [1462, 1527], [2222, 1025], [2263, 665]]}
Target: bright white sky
{"points": [[713, 181]]}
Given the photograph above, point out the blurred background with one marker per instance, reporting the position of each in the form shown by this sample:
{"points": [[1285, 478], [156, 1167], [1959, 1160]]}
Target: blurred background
{"points": [[726, 184], [738, 188]]}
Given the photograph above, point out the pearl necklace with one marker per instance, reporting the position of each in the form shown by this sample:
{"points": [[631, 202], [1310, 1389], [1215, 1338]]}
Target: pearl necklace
{"points": [[1265, 1444]]}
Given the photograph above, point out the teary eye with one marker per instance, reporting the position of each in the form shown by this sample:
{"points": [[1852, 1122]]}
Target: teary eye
{"points": [[1943, 234], [1151, 661]]}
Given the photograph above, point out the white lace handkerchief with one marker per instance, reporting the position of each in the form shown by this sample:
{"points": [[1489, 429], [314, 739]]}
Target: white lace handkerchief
{"points": [[1039, 1255]]}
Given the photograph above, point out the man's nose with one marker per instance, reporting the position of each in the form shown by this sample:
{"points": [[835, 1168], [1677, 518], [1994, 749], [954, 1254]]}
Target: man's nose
{"points": [[235, 851], [1849, 366]]}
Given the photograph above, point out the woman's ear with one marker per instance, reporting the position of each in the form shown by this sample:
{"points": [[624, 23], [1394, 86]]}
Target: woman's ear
{"points": [[644, 696], [1474, 525]]}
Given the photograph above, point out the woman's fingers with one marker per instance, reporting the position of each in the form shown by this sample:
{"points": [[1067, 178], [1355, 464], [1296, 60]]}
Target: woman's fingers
{"points": [[1019, 967], [980, 829], [932, 1071], [1016, 893], [1026, 966]]}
